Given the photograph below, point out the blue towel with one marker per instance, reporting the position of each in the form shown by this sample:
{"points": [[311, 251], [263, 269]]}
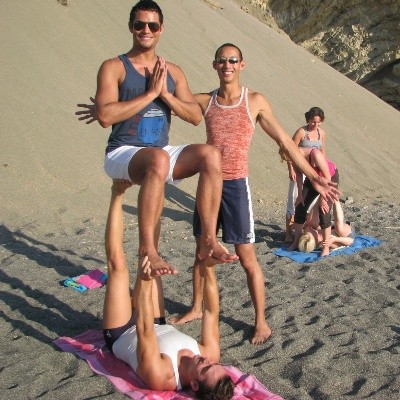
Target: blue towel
{"points": [[360, 242]]}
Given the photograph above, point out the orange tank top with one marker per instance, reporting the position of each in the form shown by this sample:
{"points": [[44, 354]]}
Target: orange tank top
{"points": [[231, 128]]}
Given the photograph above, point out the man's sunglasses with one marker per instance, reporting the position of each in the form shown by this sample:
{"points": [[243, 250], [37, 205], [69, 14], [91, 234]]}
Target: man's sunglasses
{"points": [[140, 25], [223, 60]]}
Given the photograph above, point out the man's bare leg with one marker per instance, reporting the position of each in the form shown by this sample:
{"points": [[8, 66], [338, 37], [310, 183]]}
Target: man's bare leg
{"points": [[149, 168], [255, 282], [205, 160], [196, 309]]}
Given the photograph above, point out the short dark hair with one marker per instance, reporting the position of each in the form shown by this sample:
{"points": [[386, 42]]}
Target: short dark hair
{"points": [[222, 390], [314, 112], [228, 45], [145, 5]]}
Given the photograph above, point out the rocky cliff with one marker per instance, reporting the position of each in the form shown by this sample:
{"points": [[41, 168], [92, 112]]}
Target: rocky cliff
{"points": [[359, 38]]}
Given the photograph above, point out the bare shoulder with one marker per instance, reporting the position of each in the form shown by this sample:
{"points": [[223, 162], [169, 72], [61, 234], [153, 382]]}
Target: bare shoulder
{"points": [[112, 66], [300, 132], [257, 98], [259, 105], [203, 99], [112, 63], [175, 70]]}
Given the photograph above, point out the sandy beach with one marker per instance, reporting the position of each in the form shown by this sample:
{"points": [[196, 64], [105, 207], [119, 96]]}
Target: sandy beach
{"points": [[336, 322]]}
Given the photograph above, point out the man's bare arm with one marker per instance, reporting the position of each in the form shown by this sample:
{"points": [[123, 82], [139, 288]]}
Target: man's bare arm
{"points": [[183, 103], [111, 111]]}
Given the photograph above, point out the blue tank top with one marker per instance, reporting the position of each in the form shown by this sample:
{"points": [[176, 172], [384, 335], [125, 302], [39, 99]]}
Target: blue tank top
{"points": [[150, 126]]}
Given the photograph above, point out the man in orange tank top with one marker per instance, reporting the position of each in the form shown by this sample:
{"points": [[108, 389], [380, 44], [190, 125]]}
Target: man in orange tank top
{"points": [[231, 113]]}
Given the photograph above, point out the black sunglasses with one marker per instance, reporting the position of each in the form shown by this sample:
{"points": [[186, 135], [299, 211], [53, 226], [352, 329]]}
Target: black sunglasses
{"points": [[223, 60], [140, 25]]}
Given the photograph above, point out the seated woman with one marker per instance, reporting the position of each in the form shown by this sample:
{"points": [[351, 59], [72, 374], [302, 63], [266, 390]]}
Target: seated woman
{"points": [[312, 234]]}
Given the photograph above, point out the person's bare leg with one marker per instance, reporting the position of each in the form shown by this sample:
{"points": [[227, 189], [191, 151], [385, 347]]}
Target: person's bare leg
{"points": [[205, 160], [157, 234], [326, 235], [290, 208], [149, 168], [341, 228], [158, 290], [298, 229], [157, 297], [116, 309], [289, 229], [256, 284], [196, 309]]}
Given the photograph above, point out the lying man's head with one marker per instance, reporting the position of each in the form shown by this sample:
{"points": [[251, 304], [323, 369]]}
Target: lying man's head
{"points": [[210, 381]]}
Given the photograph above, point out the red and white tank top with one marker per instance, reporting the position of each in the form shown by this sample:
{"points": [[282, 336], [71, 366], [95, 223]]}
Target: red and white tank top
{"points": [[231, 128]]}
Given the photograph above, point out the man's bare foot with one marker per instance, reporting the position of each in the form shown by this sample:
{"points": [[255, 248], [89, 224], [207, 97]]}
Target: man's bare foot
{"points": [[212, 261], [119, 186], [191, 315], [261, 335], [215, 250], [160, 266], [149, 269], [292, 247]]}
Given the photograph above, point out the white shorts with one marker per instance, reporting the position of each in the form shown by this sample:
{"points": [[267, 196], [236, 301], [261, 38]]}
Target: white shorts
{"points": [[116, 162]]}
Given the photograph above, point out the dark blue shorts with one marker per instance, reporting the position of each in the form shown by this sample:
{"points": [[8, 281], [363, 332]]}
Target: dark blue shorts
{"points": [[235, 214]]}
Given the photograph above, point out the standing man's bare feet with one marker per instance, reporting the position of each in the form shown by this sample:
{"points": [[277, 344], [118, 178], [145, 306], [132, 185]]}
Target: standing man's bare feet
{"points": [[215, 250], [261, 335], [191, 315], [161, 267], [149, 270]]}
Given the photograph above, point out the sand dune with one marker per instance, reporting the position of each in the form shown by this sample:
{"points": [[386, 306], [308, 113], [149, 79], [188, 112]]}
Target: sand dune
{"points": [[53, 163]]}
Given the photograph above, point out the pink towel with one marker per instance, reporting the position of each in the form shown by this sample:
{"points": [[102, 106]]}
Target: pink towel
{"points": [[93, 279], [90, 346]]}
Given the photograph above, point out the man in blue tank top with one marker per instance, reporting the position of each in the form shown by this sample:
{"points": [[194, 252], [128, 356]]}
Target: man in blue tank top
{"points": [[136, 94]]}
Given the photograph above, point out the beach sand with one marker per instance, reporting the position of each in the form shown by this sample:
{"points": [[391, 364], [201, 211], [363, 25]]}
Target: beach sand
{"points": [[336, 323]]}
